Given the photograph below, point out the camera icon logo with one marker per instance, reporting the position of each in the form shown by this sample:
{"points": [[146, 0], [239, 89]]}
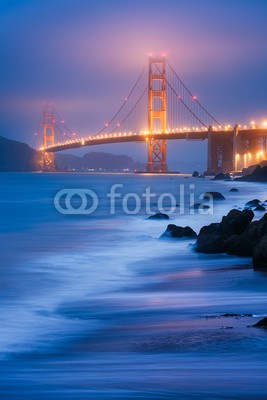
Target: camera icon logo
{"points": [[76, 201]]}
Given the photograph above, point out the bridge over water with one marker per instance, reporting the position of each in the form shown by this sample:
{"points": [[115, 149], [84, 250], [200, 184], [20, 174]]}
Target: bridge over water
{"points": [[160, 101]]}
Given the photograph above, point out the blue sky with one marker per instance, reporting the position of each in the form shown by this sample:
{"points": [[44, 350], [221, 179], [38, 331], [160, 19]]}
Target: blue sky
{"points": [[85, 55]]}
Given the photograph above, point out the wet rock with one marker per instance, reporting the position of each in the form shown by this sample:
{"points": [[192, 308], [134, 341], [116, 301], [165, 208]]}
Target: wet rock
{"points": [[229, 315], [214, 195], [221, 176], [246, 243], [260, 208], [210, 240], [253, 203], [261, 324], [195, 174], [234, 190], [258, 175], [234, 315], [174, 231], [198, 206], [217, 237], [159, 216], [260, 255], [236, 221], [237, 245]]}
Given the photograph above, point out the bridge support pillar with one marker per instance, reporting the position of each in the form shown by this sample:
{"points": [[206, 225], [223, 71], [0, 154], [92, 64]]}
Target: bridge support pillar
{"points": [[48, 139], [157, 105], [157, 156], [235, 148], [221, 151]]}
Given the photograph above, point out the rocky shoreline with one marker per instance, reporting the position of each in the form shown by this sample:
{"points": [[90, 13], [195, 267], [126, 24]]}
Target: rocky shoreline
{"points": [[236, 234]]}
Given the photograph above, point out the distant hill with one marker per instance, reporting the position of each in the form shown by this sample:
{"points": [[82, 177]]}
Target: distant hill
{"points": [[95, 161], [17, 156]]}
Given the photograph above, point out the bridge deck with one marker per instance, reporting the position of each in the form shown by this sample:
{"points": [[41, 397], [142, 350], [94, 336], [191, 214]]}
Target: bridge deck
{"points": [[134, 137]]}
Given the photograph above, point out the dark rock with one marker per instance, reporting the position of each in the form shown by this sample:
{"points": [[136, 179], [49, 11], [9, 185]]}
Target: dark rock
{"points": [[214, 195], [198, 206], [258, 175], [174, 231], [260, 255], [234, 190], [246, 243], [260, 208], [221, 176], [251, 168], [159, 216], [253, 203], [261, 324], [237, 245], [257, 229], [212, 238], [195, 174], [234, 315], [195, 206], [235, 222]]}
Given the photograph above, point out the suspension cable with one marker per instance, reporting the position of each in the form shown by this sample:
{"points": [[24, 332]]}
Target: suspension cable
{"points": [[124, 103], [191, 94]]}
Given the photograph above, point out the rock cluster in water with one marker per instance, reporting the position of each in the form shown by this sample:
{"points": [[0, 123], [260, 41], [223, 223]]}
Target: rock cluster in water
{"points": [[256, 204], [237, 235]]}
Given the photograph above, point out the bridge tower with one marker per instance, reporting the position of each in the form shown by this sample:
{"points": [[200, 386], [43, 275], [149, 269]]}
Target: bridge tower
{"points": [[156, 115], [48, 139]]}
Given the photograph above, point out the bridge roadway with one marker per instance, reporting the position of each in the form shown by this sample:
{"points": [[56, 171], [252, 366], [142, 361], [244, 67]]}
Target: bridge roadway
{"points": [[143, 137]]}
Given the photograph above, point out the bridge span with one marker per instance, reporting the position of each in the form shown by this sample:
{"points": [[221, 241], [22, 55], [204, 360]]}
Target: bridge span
{"points": [[165, 96]]}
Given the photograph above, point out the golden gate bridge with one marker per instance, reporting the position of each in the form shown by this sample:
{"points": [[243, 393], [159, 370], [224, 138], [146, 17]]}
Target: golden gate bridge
{"points": [[160, 107]]}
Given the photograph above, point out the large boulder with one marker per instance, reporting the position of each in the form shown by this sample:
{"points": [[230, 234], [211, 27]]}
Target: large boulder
{"points": [[213, 238], [258, 175], [236, 221], [213, 195], [210, 240], [174, 231], [238, 245], [260, 255], [245, 243], [261, 324]]}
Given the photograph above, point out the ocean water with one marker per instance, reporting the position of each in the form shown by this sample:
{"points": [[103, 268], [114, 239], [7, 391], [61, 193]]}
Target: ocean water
{"points": [[96, 306]]}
